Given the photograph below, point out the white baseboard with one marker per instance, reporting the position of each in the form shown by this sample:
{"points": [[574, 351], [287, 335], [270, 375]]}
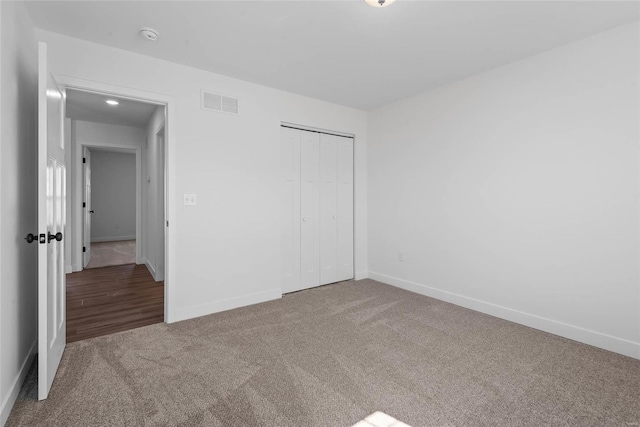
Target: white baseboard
{"points": [[576, 333], [68, 269], [150, 268], [361, 275], [156, 274], [224, 305], [76, 267], [112, 239], [16, 385]]}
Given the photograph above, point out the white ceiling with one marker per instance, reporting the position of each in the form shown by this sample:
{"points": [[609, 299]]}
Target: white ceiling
{"points": [[92, 107], [341, 51]]}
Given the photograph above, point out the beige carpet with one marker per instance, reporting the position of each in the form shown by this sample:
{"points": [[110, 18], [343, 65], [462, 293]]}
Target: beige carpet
{"points": [[104, 254], [332, 356]]}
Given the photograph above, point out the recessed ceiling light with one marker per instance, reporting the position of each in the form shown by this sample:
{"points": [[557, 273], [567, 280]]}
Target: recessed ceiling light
{"points": [[379, 3], [112, 102], [150, 34]]}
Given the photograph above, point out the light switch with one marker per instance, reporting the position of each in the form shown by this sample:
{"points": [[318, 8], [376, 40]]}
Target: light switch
{"points": [[189, 199]]}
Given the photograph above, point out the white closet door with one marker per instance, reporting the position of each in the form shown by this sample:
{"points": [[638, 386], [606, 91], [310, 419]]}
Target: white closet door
{"points": [[328, 209], [345, 209], [290, 187], [309, 209]]}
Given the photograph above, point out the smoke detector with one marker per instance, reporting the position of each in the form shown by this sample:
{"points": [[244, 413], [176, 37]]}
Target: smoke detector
{"points": [[149, 34], [379, 3]]}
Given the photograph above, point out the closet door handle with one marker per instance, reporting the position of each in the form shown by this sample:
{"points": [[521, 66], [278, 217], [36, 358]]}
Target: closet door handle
{"points": [[304, 219]]}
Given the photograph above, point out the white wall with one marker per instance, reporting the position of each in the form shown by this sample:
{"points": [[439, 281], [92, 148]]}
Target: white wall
{"points": [[226, 249], [152, 214], [18, 125], [93, 135], [516, 192], [113, 196], [106, 134]]}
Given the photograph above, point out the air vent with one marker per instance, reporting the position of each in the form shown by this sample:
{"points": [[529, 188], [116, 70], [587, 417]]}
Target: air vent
{"points": [[221, 103]]}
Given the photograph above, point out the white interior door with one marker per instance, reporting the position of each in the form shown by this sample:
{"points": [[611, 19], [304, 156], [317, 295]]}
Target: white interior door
{"points": [[328, 209], [51, 224], [345, 209], [290, 187], [309, 209], [88, 210]]}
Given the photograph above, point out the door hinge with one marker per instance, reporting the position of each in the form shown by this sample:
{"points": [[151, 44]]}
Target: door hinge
{"points": [[84, 160], [84, 204], [167, 223], [84, 249]]}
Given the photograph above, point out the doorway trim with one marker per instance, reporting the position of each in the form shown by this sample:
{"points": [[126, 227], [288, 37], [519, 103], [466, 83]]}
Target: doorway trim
{"points": [[162, 154], [169, 103]]}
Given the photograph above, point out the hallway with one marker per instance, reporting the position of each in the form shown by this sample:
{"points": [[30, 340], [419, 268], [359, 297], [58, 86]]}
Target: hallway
{"points": [[106, 254], [102, 301]]}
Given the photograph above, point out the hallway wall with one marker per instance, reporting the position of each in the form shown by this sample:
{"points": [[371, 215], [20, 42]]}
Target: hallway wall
{"points": [[152, 207]]}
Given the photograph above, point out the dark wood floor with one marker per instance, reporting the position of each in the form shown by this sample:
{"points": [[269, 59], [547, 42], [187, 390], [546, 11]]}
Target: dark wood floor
{"points": [[102, 301]]}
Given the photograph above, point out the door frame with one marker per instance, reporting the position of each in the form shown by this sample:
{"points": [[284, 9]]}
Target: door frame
{"points": [[160, 272], [169, 102], [113, 148]]}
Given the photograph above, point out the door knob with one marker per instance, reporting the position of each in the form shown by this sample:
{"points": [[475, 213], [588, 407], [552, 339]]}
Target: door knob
{"points": [[91, 211], [32, 238], [304, 219], [57, 237]]}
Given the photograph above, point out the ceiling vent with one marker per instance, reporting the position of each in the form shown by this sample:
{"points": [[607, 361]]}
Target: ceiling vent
{"points": [[220, 103]]}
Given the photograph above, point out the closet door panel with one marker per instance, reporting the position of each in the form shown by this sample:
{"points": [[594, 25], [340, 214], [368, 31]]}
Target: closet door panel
{"points": [[328, 209], [290, 196], [345, 209], [309, 208]]}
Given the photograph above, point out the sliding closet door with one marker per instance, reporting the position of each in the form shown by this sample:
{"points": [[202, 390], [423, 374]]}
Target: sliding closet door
{"points": [[317, 209], [328, 209], [309, 209], [290, 187], [345, 208]]}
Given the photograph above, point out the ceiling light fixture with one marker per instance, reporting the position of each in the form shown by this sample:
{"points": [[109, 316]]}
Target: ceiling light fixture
{"points": [[151, 34], [112, 102], [379, 3]]}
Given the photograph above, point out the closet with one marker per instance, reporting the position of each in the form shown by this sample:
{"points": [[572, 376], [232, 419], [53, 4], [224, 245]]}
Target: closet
{"points": [[317, 208]]}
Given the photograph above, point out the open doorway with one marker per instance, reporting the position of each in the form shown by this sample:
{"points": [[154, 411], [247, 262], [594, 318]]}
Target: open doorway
{"points": [[109, 176], [116, 214]]}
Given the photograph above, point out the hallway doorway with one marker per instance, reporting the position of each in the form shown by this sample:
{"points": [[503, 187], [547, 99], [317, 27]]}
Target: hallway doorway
{"points": [[110, 206], [116, 214]]}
